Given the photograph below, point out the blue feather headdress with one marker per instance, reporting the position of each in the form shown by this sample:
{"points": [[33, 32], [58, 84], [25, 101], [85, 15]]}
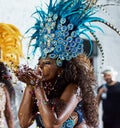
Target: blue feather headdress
{"points": [[58, 32]]}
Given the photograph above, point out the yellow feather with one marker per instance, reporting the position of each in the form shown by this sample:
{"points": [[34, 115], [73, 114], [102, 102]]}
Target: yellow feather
{"points": [[10, 45]]}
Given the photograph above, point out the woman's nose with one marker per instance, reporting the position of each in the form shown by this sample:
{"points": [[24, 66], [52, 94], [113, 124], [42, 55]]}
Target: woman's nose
{"points": [[40, 70], [40, 67]]}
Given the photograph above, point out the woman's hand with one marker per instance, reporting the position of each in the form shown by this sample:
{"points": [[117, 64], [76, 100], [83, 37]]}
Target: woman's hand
{"points": [[28, 75]]}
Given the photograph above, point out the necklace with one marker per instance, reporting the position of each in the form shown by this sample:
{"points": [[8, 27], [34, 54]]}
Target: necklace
{"points": [[48, 87]]}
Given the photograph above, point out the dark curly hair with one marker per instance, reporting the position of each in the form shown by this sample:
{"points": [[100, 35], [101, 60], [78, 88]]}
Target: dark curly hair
{"points": [[80, 72], [4, 73]]}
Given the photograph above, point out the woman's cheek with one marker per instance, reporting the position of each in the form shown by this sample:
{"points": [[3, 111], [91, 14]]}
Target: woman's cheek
{"points": [[49, 72], [46, 71]]}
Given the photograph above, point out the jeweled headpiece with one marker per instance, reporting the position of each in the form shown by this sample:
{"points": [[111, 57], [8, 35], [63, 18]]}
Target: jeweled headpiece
{"points": [[58, 32]]}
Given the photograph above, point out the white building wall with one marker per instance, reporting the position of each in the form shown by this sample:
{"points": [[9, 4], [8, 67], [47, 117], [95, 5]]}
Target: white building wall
{"points": [[110, 42]]}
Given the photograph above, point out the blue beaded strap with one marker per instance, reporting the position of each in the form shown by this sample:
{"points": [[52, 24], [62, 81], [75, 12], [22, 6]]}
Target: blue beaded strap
{"points": [[68, 124], [79, 111], [80, 117]]}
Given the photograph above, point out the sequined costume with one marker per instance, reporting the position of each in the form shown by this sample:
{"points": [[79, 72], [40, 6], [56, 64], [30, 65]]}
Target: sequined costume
{"points": [[71, 121], [2, 106]]}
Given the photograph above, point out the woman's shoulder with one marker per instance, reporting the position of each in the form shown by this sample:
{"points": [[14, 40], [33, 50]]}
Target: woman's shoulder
{"points": [[74, 88], [72, 91]]}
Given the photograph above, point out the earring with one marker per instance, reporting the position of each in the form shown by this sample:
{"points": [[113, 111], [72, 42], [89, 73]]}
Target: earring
{"points": [[59, 75]]}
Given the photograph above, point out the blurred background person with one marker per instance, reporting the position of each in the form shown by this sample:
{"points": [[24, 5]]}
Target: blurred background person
{"points": [[10, 54], [7, 93], [19, 89], [109, 94]]}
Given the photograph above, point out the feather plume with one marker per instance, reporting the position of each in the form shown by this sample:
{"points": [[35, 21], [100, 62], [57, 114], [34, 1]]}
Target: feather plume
{"points": [[10, 45], [80, 13]]}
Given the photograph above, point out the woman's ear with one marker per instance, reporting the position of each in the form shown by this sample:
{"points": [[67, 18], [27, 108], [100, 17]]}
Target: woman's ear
{"points": [[60, 71]]}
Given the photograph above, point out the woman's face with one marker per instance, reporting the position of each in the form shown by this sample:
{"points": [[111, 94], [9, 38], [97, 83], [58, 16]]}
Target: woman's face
{"points": [[48, 68]]}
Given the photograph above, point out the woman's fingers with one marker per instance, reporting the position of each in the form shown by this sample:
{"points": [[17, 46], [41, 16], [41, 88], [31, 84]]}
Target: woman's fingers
{"points": [[28, 75], [35, 75]]}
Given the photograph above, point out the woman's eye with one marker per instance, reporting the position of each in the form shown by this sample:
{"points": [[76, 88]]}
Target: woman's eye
{"points": [[47, 62]]}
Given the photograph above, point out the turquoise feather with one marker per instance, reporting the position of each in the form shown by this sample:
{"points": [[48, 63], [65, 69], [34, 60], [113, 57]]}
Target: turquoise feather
{"points": [[79, 13]]}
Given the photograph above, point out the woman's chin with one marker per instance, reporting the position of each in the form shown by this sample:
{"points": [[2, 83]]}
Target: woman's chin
{"points": [[46, 79]]}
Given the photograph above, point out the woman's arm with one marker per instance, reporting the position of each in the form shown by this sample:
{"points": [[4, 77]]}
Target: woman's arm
{"points": [[25, 113], [8, 111], [54, 118]]}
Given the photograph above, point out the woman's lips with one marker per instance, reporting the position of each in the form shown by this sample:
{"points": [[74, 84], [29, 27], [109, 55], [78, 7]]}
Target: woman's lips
{"points": [[39, 72]]}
